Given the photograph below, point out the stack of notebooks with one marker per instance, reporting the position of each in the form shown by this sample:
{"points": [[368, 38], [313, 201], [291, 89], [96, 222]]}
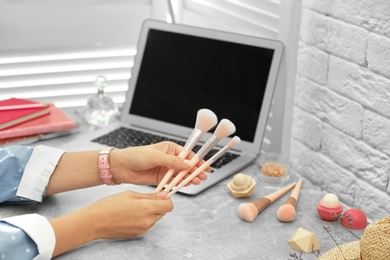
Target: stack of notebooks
{"points": [[25, 121]]}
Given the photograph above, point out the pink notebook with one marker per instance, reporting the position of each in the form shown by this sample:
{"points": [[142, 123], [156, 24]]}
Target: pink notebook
{"points": [[14, 111], [56, 120]]}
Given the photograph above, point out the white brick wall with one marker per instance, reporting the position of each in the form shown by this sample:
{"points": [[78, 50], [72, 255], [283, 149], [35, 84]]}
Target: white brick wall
{"points": [[341, 126]]}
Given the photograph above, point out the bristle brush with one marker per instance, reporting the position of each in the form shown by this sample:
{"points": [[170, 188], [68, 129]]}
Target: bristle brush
{"points": [[235, 140], [249, 211], [205, 120], [287, 212], [224, 129]]}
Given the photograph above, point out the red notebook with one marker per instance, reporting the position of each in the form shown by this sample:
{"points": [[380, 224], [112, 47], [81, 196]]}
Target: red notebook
{"points": [[14, 111], [55, 121]]}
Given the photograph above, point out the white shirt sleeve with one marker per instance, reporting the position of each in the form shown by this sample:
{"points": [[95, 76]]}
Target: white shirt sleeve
{"points": [[38, 228], [38, 171]]}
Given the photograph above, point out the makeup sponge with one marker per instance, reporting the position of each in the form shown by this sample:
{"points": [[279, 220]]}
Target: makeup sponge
{"points": [[242, 186]]}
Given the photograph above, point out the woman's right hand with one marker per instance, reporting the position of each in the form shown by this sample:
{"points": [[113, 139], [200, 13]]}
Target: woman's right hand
{"points": [[128, 214], [124, 215]]}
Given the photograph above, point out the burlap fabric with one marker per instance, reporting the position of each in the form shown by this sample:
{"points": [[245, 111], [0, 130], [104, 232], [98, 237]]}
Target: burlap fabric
{"points": [[373, 245]]}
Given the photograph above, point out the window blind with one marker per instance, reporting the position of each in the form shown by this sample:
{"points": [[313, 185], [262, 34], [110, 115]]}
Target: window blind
{"points": [[52, 51], [65, 79], [252, 17]]}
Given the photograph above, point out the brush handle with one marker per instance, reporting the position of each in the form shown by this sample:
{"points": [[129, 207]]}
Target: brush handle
{"points": [[265, 201], [168, 175], [181, 174], [165, 180], [199, 170], [292, 201], [279, 193], [261, 204], [193, 139], [296, 190], [187, 180], [210, 143]]}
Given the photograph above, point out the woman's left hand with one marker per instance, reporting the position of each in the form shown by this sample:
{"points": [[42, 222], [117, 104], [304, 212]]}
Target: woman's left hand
{"points": [[147, 165]]}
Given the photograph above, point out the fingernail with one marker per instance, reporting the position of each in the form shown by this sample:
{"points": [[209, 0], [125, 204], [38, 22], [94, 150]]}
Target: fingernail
{"points": [[161, 195], [187, 163]]}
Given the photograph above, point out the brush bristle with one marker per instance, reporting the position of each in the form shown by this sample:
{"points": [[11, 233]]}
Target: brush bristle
{"points": [[205, 120], [286, 213], [224, 129], [235, 140], [247, 212]]}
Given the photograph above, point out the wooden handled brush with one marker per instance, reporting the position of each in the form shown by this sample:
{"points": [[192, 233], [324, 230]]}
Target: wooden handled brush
{"points": [[287, 212], [249, 211]]}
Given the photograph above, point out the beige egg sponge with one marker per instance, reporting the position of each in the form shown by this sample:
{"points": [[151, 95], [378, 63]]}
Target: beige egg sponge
{"points": [[242, 186]]}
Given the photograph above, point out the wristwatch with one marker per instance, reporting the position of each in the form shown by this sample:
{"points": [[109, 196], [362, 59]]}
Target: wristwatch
{"points": [[104, 166]]}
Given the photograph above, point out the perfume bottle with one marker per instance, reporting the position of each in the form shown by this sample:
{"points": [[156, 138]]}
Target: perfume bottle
{"points": [[101, 109]]}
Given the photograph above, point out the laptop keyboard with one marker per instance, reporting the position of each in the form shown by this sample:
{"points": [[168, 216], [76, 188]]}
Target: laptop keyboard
{"points": [[124, 137]]}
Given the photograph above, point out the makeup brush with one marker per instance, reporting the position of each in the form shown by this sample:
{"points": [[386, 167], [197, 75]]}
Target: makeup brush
{"points": [[249, 211], [235, 140], [286, 212], [224, 129], [205, 120]]}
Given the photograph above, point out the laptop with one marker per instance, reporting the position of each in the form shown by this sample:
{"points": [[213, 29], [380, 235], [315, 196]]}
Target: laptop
{"points": [[179, 69]]}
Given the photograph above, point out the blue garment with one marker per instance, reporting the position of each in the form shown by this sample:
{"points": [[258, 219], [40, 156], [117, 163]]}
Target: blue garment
{"points": [[13, 161], [14, 242]]}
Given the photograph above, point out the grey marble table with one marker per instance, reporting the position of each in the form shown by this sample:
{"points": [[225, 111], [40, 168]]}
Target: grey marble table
{"points": [[205, 226]]}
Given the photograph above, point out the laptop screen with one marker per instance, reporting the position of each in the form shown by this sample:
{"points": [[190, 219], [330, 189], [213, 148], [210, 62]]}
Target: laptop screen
{"points": [[180, 74]]}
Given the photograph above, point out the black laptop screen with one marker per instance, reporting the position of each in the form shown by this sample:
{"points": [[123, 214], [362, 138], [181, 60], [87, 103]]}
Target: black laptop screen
{"points": [[181, 74]]}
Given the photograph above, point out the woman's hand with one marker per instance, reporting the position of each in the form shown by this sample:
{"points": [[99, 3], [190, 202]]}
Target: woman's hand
{"points": [[144, 165], [147, 165], [127, 214], [124, 215]]}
